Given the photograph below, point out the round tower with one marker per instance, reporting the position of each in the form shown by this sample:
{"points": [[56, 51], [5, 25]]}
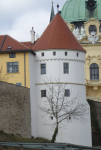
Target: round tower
{"points": [[60, 59]]}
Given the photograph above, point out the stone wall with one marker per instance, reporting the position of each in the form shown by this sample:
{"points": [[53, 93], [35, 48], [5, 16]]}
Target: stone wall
{"points": [[95, 108], [98, 112], [15, 113]]}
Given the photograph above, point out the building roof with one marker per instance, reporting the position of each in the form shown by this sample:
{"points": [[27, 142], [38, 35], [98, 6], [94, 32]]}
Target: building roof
{"points": [[76, 11], [28, 44], [57, 36], [9, 44]]}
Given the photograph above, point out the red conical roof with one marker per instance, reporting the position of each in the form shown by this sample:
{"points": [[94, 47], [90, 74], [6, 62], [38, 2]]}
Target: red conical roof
{"points": [[57, 36]]}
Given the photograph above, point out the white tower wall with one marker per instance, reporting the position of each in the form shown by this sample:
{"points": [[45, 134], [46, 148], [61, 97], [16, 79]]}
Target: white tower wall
{"points": [[73, 131]]}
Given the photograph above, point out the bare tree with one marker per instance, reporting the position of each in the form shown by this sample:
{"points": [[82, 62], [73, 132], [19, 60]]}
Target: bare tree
{"points": [[3, 76], [61, 107]]}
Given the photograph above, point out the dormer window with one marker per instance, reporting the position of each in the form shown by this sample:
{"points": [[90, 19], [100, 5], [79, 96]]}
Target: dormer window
{"points": [[9, 47], [92, 28]]}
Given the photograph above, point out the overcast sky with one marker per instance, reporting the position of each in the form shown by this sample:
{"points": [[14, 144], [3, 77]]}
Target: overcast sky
{"points": [[17, 17]]}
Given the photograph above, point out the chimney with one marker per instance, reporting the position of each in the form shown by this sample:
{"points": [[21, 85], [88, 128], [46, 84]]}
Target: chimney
{"points": [[32, 36], [37, 36]]}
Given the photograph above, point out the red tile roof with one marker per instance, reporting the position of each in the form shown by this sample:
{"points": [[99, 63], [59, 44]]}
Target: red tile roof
{"points": [[7, 41], [57, 36], [1, 39], [28, 44]]}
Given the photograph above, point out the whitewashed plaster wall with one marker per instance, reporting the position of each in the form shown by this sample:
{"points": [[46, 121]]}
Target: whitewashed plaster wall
{"points": [[33, 95], [74, 132], [54, 66]]}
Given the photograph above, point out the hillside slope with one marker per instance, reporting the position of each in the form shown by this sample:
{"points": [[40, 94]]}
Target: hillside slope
{"points": [[5, 137]]}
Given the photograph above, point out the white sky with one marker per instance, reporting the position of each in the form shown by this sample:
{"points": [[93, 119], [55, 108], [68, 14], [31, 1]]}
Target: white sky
{"points": [[17, 17]]}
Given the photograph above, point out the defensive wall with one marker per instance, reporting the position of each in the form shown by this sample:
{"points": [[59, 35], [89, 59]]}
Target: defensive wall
{"points": [[15, 113]]}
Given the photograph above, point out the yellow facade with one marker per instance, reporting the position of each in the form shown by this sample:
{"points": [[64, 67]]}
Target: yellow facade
{"points": [[93, 55], [23, 68]]}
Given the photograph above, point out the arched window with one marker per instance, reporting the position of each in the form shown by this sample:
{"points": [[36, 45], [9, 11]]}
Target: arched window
{"points": [[94, 72]]}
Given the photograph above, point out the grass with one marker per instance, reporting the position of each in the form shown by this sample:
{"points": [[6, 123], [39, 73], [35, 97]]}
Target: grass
{"points": [[5, 137]]}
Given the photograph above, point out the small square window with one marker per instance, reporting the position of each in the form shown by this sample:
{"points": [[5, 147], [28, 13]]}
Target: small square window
{"points": [[66, 68], [42, 54], [43, 68], [65, 53], [67, 93], [12, 55], [54, 53], [43, 93], [20, 84], [51, 117], [77, 54]]}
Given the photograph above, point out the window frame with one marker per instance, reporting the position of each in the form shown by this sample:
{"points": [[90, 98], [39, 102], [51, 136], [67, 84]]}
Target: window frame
{"points": [[77, 54], [42, 54], [12, 55], [44, 93], [93, 74], [64, 67], [66, 53], [92, 28], [54, 52], [67, 95], [19, 84], [41, 68], [12, 67]]}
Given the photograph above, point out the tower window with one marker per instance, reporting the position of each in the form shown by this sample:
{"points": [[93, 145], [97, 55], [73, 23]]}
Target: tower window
{"points": [[51, 117], [42, 54], [77, 54], [66, 68], [67, 93], [43, 93], [43, 68], [54, 53], [65, 53]]}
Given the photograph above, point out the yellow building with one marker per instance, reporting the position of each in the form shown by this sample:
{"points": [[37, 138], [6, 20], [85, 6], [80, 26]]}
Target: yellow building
{"points": [[14, 61], [84, 19]]}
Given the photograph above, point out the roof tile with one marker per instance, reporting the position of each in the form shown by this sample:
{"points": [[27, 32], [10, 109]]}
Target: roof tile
{"points": [[57, 36], [10, 42]]}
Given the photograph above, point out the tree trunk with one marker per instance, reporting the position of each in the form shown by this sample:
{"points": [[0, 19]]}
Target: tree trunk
{"points": [[54, 134]]}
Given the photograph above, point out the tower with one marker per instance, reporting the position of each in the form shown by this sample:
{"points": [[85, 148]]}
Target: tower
{"points": [[60, 56]]}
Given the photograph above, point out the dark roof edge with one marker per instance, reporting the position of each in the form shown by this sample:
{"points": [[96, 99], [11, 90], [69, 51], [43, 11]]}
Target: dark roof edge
{"points": [[18, 51], [3, 42]]}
